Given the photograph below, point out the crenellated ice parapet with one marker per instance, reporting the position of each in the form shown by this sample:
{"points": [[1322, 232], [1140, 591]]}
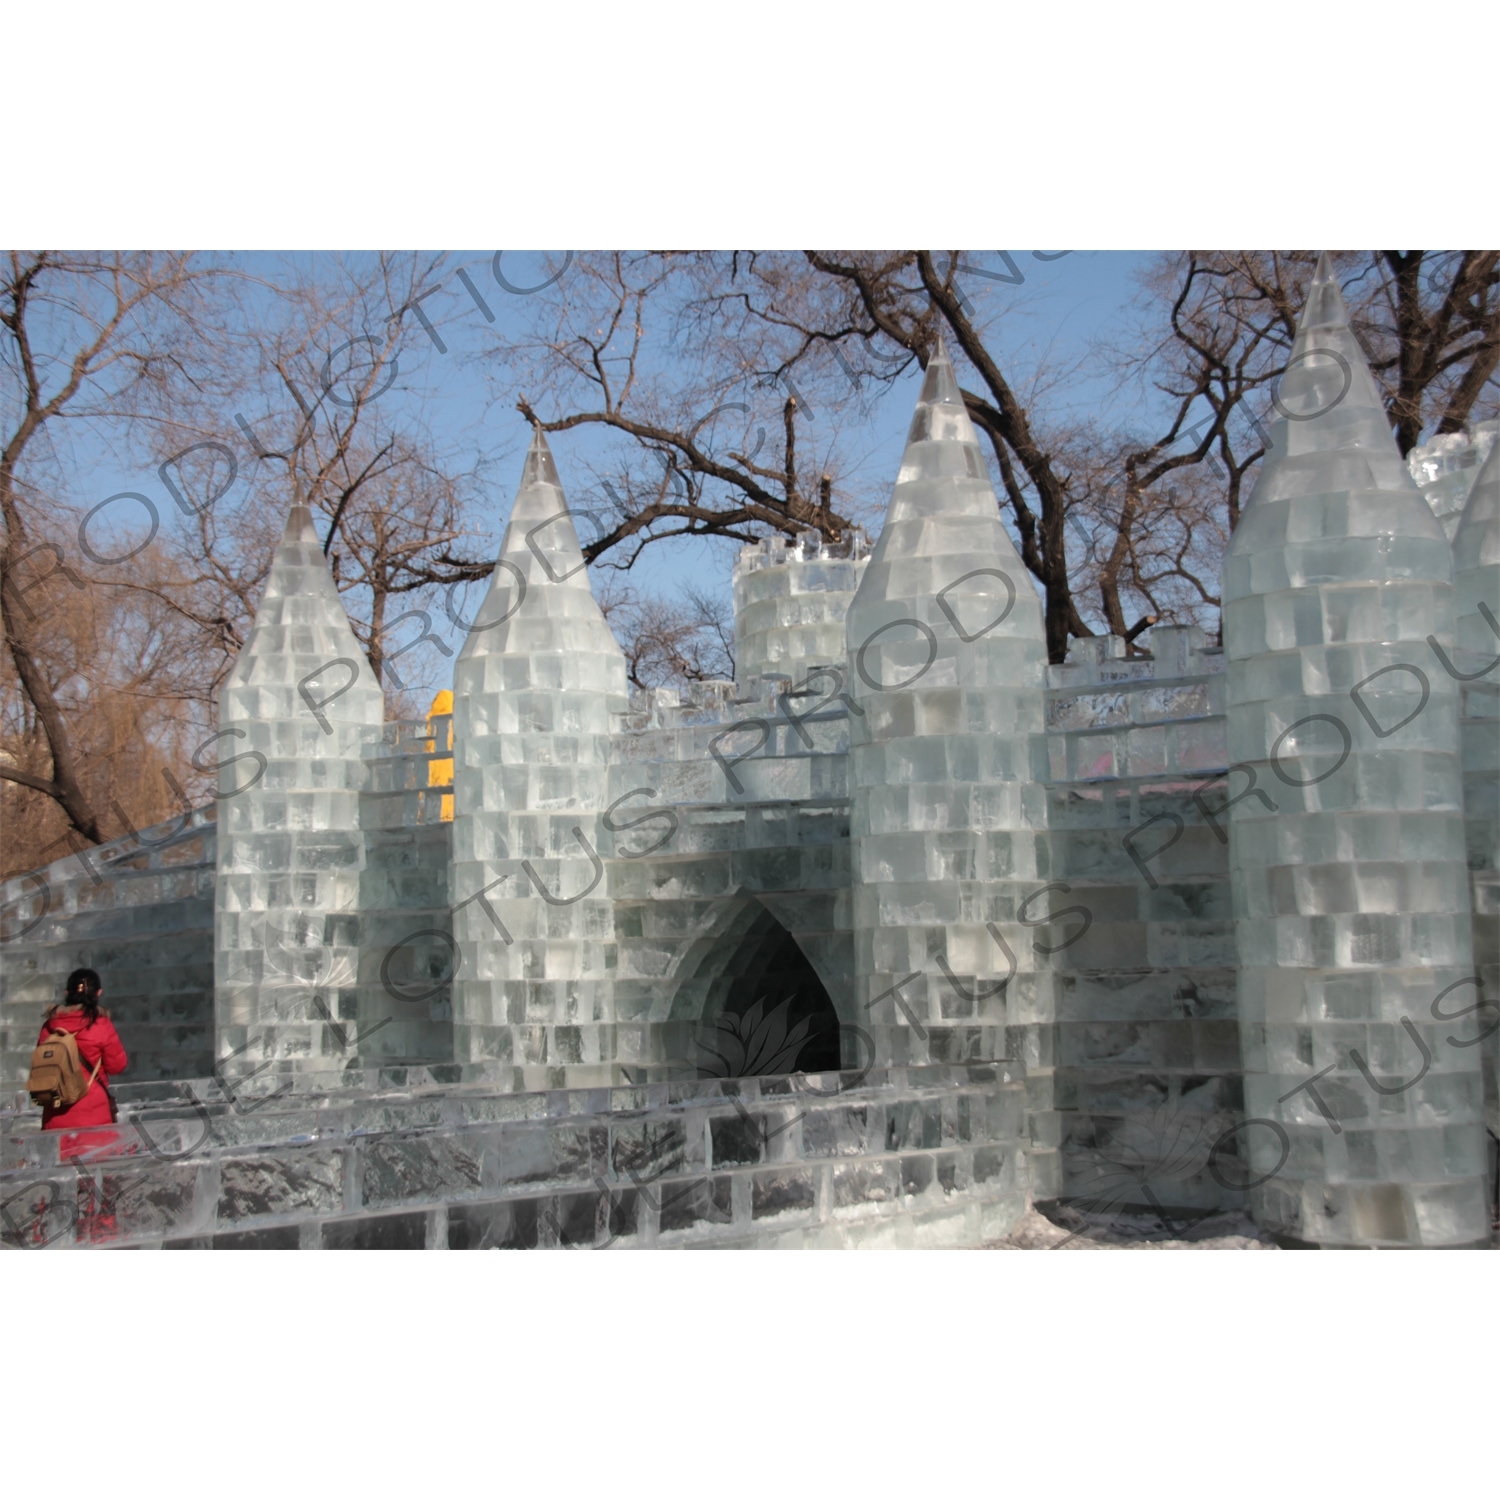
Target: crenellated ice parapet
{"points": [[300, 710], [790, 602], [1350, 890], [947, 656], [534, 688]]}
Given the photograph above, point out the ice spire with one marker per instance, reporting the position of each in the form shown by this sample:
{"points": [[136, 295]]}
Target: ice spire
{"points": [[300, 617], [539, 597], [298, 709], [946, 662], [943, 504], [1347, 859], [534, 688], [1328, 400], [1331, 447]]}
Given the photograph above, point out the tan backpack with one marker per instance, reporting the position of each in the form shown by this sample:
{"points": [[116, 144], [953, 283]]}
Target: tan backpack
{"points": [[57, 1078]]}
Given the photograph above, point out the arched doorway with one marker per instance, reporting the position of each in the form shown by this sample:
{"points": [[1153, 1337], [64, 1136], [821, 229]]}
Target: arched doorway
{"points": [[766, 1011]]}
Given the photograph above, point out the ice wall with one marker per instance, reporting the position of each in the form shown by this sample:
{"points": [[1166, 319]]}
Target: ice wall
{"points": [[1476, 568], [404, 1009], [1347, 857], [296, 716]]}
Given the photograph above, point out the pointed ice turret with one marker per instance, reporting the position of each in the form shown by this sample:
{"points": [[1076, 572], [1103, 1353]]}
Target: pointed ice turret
{"points": [[946, 662], [534, 687], [298, 708], [1351, 896], [1476, 569]]}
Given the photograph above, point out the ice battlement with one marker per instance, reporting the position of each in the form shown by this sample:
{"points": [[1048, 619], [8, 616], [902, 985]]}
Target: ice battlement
{"points": [[778, 549]]}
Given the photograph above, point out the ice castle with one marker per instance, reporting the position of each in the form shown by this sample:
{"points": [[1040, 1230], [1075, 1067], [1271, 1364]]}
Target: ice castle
{"points": [[898, 932]]}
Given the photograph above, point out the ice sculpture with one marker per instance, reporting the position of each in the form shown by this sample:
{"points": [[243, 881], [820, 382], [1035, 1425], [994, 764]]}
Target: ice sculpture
{"points": [[294, 715], [946, 655], [1347, 851], [534, 686], [1476, 577]]}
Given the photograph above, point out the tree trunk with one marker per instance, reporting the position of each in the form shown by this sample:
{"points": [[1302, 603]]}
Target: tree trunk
{"points": [[377, 629], [64, 788]]}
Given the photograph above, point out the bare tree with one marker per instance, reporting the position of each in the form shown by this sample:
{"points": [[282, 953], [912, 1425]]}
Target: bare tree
{"points": [[1443, 316], [121, 667], [1165, 509], [317, 364], [671, 643], [394, 540], [86, 337], [1429, 322], [611, 355]]}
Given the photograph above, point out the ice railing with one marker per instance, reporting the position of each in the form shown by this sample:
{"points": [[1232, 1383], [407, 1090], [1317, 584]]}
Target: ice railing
{"points": [[795, 1151]]}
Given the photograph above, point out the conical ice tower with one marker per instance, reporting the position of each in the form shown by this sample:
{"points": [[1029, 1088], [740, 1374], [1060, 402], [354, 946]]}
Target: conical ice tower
{"points": [[298, 708], [1476, 579], [946, 661], [1351, 896], [534, 686]]}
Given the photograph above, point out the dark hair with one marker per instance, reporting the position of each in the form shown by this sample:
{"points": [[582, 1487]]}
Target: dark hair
{"points": [[83, 989]]}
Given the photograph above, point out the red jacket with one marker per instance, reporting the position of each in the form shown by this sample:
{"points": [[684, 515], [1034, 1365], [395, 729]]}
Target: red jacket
{"points": [[100, 1040]]}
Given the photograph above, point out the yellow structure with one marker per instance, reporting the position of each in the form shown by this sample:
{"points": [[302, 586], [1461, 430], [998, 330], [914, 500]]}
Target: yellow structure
{"points": [[440, 772]]}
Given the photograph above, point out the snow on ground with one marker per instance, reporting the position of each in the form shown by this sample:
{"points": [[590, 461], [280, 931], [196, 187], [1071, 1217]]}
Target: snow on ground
{"points": [[1075, 1230]]}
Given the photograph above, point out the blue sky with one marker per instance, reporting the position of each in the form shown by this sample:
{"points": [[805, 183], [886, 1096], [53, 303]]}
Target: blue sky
{"points": [[1042, 330]]}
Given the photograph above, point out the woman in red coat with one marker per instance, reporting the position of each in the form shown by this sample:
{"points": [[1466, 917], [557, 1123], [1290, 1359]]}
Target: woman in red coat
{"points": [[98, 1042]]}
